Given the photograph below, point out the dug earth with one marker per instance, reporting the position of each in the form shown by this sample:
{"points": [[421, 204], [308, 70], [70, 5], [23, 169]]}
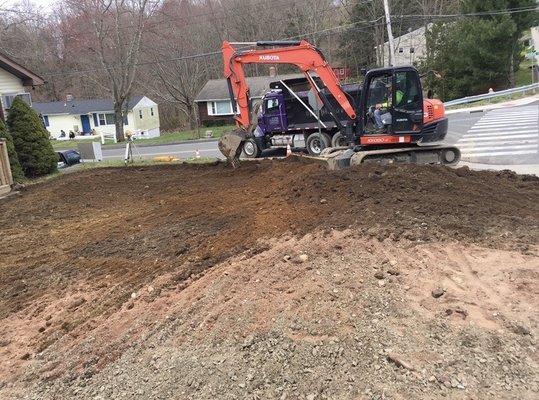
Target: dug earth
{"points": [[278, 280]]}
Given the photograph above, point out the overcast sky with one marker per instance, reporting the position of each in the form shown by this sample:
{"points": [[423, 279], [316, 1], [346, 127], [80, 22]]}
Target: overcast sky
{"points": [[42, 3]]}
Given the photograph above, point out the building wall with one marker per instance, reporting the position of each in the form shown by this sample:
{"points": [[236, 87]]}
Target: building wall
{"points": [[9, 84], [415, 40], [212, 120], [71, 122], [65, 122], [144, 120]]}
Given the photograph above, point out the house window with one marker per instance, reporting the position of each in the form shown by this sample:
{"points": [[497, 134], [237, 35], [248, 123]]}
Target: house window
{"points": [[220, 107], [140, 114], [45, 120], [106, 119], [7, 99], [151, 111]]}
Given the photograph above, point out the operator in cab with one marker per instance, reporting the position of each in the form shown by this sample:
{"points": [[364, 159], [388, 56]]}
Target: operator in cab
{"points": [[382, 115]]}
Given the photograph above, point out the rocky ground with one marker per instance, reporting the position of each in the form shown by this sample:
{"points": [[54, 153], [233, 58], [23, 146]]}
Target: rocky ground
{"points": [[278, 280]]}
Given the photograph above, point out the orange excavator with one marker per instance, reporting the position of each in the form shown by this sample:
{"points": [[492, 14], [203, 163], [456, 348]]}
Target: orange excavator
{"points": [[388, 121]]}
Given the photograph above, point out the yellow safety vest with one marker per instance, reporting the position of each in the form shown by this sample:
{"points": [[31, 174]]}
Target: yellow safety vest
{"points": [[399, 95]]}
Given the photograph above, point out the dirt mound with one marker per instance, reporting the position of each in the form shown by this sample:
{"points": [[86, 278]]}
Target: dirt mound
{"points": [[99, 265]]}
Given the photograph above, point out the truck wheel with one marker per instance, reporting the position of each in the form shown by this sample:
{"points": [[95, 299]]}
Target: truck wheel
{"points": [[315, 143], [250, 149], [338, 140]]}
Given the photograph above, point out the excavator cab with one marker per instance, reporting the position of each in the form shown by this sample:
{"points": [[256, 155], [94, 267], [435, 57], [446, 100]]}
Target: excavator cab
{"points": [[392, 101]]}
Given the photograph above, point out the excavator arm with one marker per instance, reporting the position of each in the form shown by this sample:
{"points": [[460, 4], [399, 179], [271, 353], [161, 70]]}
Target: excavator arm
{"points": [[301, 54]]}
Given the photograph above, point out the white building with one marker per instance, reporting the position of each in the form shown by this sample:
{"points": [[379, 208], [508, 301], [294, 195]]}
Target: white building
{"points": [[85, 117], [409, 48], [15, 81]]}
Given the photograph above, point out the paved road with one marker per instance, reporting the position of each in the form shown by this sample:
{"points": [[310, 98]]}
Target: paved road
{"points": [[182, 151], [504, 136]]}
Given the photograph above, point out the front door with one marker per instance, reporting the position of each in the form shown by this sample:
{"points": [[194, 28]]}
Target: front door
{"points": [[377, 102], [85, 121], [273, 115], [407, 110]]}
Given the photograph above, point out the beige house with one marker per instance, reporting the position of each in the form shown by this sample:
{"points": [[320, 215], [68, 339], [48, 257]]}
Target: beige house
{"points": [[96, 116], [15, 80]]}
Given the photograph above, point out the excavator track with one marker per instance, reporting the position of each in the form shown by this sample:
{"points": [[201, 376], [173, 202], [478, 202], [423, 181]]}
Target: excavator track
{"points": [[339, 158]]}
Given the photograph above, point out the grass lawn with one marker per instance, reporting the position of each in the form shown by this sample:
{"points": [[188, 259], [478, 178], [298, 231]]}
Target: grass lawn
{"points": [[524, 74], [165, 138], [72, 144], [494, 100]]}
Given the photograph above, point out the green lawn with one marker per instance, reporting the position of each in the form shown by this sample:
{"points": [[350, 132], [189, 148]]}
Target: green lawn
{"points": [[165, 138], [524, 74], [72, 144], [494, 100]]}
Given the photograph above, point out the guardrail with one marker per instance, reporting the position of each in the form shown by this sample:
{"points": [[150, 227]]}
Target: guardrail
{"points": [[491, 95]]}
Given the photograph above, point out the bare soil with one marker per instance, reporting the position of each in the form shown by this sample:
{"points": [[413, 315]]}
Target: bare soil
{"points": [[187, 282]]}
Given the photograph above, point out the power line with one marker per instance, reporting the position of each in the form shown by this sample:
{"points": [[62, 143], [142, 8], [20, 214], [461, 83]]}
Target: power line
{"points": [[372, 23], [475, 14], [201, 55]]}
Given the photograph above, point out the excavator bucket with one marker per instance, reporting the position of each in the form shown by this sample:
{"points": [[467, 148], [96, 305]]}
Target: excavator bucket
{"points": [[231, 145]]}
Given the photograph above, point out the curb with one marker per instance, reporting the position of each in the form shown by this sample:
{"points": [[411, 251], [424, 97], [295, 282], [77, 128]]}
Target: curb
{"points": [[122, 145], [139, 144]]}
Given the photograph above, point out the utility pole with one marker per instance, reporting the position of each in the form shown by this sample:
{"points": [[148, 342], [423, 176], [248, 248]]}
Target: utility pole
{"points": [[389, 35]]}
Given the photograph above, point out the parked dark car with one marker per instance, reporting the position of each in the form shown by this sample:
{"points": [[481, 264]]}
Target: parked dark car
{"points": [[67, 158]]}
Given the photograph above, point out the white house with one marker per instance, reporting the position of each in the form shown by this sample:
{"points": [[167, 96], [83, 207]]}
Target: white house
{"points": [[409, 48], [97, 116], [14, 81]]}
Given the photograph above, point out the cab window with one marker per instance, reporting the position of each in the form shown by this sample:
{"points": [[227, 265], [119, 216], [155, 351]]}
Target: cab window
{"points": [[378, 92], [407, 90], [272, 105]]}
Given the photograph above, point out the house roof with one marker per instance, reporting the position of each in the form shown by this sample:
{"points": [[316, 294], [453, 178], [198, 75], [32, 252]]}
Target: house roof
{"points": [[77, 107], [28, 77], [217, 89]]}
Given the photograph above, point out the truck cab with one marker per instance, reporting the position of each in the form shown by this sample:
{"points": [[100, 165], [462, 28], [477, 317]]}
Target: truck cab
{"points": [[272, 113]]}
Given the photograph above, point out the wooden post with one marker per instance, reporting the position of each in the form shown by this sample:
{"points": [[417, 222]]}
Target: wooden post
{"points": [[6, 179]]}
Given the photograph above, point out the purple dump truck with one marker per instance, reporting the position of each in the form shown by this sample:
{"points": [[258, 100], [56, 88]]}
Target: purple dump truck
{"points": [[287, 115]]}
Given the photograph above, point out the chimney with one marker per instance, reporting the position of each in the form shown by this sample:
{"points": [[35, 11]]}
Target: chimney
{"points": [[272, 71]]}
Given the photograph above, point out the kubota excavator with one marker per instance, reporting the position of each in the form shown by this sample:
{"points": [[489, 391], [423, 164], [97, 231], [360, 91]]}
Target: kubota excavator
{"points": [[412, 127]]}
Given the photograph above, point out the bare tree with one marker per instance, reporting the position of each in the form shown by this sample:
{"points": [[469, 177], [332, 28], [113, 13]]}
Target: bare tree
{"points": [[116, 28]]}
